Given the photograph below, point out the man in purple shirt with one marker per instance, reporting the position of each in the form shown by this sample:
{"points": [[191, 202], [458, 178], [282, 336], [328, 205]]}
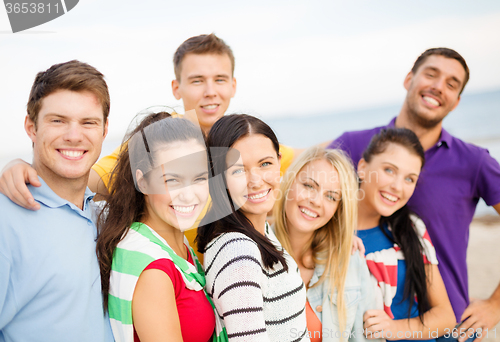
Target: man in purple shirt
{"points": [[455, 176]]}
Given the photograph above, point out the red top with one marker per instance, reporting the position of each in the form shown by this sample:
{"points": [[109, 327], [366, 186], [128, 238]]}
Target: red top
{"points": [[196, 315], [313, 324]]}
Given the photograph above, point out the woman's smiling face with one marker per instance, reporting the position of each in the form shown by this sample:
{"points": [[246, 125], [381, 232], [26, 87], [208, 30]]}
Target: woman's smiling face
{"points": [[177, 190], [253, 180], [389, 179], [313, 197]]}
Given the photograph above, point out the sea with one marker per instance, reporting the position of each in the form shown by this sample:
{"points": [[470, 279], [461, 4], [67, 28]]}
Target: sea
{"points": [[475, 120]]}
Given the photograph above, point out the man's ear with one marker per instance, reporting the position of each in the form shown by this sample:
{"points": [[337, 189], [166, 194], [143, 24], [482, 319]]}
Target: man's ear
{"points": [[361, 168], [30, 128], [175, 89], [106, 128], [234, 87], [407, 80]]}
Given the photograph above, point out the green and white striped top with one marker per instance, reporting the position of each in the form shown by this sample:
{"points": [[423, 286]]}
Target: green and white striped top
{"points": [[141, 246]]}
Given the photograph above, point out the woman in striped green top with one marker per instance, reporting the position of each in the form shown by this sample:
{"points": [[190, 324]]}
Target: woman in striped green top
{"points": [[152, 282]]}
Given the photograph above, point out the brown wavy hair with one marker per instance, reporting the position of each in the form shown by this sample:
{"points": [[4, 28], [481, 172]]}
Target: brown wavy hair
{"points": [[125, 204]]}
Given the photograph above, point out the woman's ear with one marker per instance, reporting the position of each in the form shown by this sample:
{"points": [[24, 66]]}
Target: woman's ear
{"points": [[361, 169], [141, 182]]}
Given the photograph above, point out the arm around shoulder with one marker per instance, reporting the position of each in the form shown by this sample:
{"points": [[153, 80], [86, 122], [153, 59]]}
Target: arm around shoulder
{"points": [[487, 184], [13, 179], [101, 171]]}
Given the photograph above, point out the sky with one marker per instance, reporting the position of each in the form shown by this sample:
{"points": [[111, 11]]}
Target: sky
{"points": [[292, 57]]}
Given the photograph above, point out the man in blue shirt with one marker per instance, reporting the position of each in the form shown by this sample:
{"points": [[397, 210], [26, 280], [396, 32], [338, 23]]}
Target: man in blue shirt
{"points": [[50, 287]]}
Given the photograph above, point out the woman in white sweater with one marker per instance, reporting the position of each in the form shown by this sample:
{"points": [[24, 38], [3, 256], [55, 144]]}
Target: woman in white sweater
{"points": [[255, 285]]}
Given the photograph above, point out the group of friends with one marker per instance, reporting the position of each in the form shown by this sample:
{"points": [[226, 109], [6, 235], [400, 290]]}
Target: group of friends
{"points": [[207, 229]]}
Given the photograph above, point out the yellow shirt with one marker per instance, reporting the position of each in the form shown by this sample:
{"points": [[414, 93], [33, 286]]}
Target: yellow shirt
{"points": [[106, 164]]}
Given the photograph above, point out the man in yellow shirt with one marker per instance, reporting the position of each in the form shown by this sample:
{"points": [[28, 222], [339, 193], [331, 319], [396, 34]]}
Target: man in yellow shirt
{"points": [[204, 80]]}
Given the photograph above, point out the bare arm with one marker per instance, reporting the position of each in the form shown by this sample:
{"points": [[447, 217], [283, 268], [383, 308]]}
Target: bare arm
{"points": [[484, 314], [439, 317], [13, 179], [17, 173], [154, 309], [96, 184]]}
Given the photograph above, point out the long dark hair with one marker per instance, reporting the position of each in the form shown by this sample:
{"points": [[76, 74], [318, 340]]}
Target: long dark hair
{"points": [[223, 135], [403, 230], [125, 204]]}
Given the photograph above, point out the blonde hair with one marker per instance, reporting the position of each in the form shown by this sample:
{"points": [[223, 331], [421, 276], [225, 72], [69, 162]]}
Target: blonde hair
{"points": [[331, 244]]}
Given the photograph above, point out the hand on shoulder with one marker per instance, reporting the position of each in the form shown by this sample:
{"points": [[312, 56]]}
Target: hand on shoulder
{"points": [[13, 179]]}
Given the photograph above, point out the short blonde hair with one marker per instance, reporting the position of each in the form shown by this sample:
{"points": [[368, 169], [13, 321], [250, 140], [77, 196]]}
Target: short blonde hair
{"points": [[330, 244]]}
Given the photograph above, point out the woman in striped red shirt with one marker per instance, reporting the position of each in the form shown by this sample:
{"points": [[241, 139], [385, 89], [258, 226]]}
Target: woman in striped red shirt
{"points": [[399, 253]]}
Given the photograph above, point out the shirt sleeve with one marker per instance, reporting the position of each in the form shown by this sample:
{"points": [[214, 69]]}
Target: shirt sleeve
{"points": [[368, 301], [339, 142], [488, 180], [236, 289], [287, 155], [105, 165], [344, 143]]}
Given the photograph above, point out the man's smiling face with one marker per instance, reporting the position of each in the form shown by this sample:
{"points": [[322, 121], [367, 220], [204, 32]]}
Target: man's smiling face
{"points": [[206, 85], [433, 90], [68, 135]]}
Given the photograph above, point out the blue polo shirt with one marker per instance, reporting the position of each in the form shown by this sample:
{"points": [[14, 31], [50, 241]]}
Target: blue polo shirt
{"points": [[455, 176], [50, 285]]}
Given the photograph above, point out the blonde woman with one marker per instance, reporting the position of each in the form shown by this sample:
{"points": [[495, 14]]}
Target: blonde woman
{"points": [[315, 221]]}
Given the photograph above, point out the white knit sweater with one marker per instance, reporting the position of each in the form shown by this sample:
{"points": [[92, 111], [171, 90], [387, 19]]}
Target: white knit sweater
{"points": [[256, 304]]}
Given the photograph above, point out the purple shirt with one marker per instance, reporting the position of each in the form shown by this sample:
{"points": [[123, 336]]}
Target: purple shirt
{"points": [[456, 174]]}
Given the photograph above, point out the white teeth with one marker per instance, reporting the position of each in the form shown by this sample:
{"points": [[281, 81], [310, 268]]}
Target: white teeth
{"points": [[259, 195], [389, 197], [432, 101], [71, 153], [308, 213], [182, 209], [210, 106]]}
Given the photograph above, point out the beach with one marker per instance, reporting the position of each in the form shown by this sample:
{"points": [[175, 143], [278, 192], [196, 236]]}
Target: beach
{"points": [[483, 260]]}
